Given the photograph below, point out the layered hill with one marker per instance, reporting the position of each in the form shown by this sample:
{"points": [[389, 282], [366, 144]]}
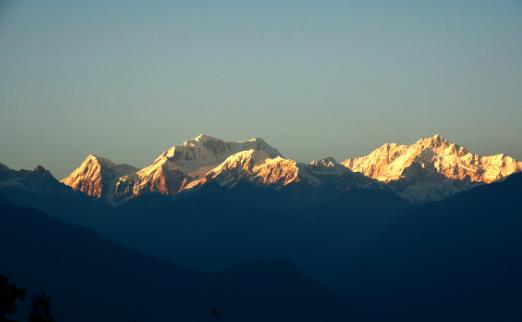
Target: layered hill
{"points": [[317, 215], [458, 259], [91, 278], [431, 168], [38, 188], [37, 179]]}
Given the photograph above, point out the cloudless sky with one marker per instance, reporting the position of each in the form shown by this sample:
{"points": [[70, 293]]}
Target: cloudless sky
{"points": [[127, 79]]}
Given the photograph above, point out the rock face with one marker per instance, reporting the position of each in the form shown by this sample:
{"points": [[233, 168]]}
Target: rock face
{"points": [[97, 176], [432, 168]]}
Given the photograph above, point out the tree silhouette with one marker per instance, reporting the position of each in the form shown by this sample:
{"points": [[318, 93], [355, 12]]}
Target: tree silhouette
{"points": [[214, 313], [9, 296], [41, 309]]}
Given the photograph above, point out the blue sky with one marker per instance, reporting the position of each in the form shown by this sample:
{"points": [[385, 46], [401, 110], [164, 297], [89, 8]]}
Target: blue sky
{"points": [[126, 79]]}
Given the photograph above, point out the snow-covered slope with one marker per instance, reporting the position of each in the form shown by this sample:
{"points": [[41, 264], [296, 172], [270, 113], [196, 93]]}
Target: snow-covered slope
{"points": [[253, 166], [177, 167], [259, 168], [206, 159], [432, 168], [97, 176]]}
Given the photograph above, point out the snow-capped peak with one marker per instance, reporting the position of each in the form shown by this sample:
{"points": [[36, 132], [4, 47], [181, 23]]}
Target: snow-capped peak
{"points": [[200, 154], [95, 159], [433, 141], [3, 167], [96, 176], [429, 169], [181, 164], [432, 167], [202, 138], [327, 162]]}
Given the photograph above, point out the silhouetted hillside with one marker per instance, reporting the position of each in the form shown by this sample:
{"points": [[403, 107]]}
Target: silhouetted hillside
{"points": [[215, 226], [319, 228], [93, 279], [459, 259], [453, 260], [38, 189]]}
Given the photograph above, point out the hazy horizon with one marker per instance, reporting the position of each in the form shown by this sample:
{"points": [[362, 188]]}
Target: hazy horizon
{"points": [[125, 80]]}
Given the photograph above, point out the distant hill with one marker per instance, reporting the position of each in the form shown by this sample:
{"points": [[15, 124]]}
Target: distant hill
{"points": [[216, 226], [93, 279], [459, 259], [320, 228]]}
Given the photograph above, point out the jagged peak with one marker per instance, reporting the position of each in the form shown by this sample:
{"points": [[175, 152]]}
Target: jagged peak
{"points": [[4, 167], [105, 163], [256, 140], [41, 172], [40, 168], [438, 160], [36, 169], [98, 159], [215, 146], [201, 138], [96, 164], [327, 162], [428, 142], [433, 141]]}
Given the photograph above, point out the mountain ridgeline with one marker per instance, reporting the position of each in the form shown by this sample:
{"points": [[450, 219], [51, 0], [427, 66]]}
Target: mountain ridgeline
{"points": [[430, 169], [420, 232]]}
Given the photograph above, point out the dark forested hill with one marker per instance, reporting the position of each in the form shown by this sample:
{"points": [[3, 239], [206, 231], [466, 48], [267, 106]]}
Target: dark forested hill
{"points": [[459, 259], [93, 279], [212, 227], [215, 227]]}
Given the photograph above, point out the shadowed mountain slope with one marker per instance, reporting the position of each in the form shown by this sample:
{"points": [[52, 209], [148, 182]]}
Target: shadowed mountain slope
{"points": [[93, 279], [318, 228], [455, 260]]}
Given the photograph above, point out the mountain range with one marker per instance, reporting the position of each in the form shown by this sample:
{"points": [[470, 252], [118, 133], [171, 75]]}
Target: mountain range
{"points": [[430, 169], [237, 223], [188, 228], [366, 254]]}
